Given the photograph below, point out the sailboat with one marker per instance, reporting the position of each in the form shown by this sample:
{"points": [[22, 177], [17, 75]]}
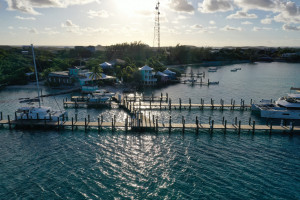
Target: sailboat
{"points": [[39, 112]]}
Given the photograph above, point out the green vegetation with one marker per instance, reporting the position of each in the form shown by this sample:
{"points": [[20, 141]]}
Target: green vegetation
{"points": [[14, 64]]}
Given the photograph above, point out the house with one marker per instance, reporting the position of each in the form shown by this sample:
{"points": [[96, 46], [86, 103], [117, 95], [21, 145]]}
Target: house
{"points": [[162, 78], [171, 74], [147, 75], [59, 78]]}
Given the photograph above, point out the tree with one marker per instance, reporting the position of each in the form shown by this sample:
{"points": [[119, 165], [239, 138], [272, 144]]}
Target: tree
{"points": [[96, 73]]}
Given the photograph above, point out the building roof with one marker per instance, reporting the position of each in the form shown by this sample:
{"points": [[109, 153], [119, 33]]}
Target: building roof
{"points": [[146, 68], [105, 64], [59, 74], [161, 74], [167, 71]]}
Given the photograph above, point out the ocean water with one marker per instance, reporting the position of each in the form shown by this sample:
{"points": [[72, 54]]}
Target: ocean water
{"points": [[47, 164]]}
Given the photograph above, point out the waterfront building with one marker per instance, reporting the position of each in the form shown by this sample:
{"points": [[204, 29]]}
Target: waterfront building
{"points": [[172, 75], [147, 75], [162, 77]]}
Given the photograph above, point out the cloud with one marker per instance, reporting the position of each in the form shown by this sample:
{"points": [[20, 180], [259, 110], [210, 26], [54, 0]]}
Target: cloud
{"points": [[25, 18], [266, 21], [246, 23], [197, 26], [74, 28], [33, 30], [212, 22], [10, 27], [182, 6], [100, 13], [287, 11], [144, 12], [261, 28], [211, 6], [230, 28], [29, 6], [287, 27], [258, 4], [242, 15]]}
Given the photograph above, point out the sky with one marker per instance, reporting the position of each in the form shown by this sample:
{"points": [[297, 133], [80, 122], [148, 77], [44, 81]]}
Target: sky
{"points": [[208, 23]]}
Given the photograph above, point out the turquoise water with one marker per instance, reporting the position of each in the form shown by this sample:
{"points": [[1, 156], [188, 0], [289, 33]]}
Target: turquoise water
{"points": [[118, 165]]}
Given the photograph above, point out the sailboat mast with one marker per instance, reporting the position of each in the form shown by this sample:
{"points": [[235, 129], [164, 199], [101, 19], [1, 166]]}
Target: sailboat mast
{"points": [[36, 76]]}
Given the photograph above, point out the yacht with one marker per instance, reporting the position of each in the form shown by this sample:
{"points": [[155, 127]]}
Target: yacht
{"points": [[287, 107], [39, 112], [212, 69]]}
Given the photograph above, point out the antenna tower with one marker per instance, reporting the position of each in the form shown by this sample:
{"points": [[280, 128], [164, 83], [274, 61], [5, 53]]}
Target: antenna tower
{"points": [[156, 40]]}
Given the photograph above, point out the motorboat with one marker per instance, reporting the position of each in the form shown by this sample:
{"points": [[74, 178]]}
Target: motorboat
{"points": [[287, 107], [98, 98], [103, 92], [212, 69], [234, 70], [39, 112]]}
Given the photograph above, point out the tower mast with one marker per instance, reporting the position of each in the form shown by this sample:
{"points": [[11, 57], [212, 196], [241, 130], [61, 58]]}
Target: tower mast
{"points": [[156, 40]]}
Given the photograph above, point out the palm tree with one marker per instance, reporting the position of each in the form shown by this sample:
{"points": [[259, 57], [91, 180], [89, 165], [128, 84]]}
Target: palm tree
{"points": [[96, 73]]}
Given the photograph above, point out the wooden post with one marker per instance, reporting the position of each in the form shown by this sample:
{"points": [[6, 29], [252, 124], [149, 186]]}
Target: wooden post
{"points": [[9, 124], [180, 103], [253, 127], [160, 105], [170, 104], [98, 119], [197, 125], [75, 117], [271, 126], [112, 124], [156, 124], [72, 124], [225, 126], [249, 121], [58, 123], [1, 115], [85, 124], [150, 104], [235, 121], [170, 124], [239, 126], [233, 104], [183, 124], [190, 102], [167, 97], [212, 126], [223, 120]]}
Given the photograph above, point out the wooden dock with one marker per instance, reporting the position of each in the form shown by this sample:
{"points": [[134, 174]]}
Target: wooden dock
{"points": [[146, 124]]}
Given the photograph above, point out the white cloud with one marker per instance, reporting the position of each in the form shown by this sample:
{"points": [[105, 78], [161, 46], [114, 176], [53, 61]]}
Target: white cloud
{"points": [[144, 12], [287, 27], [266, 21], [182, 6], [197, 26], [288, 11], [211, 6], [25, 18], [10, 27], [246, 23], [230, 28], [100, 13], [242, 15], [261, 28], [74, 28], [212, 22], [29, 6], [33, 30]]}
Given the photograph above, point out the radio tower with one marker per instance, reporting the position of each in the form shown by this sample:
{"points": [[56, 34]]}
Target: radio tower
{"points": [[156, 40]]}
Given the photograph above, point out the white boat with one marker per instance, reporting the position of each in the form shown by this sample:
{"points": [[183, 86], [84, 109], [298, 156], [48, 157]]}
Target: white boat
{"points": [[284, 108], [212, 69], [39, 112], [103, 92], [97, 98]]}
